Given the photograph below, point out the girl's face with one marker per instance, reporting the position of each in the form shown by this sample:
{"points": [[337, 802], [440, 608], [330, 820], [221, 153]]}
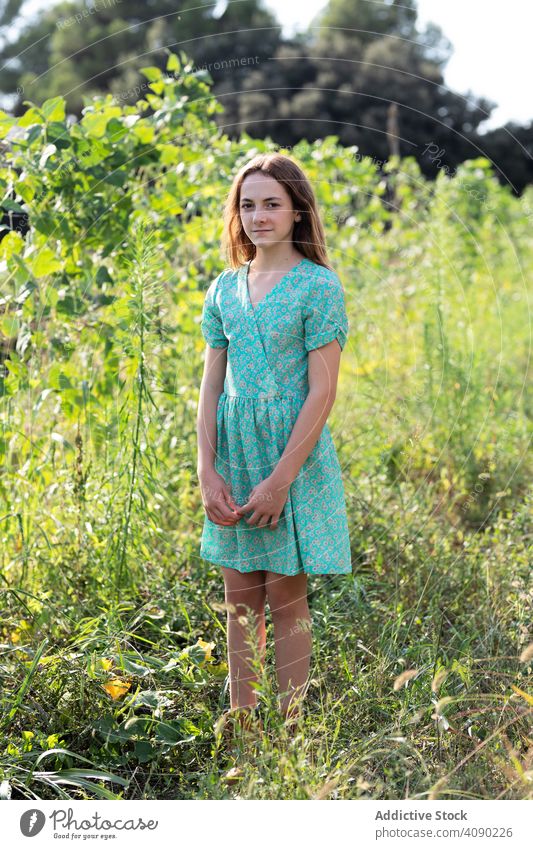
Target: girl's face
{"points": [[266, 209]]}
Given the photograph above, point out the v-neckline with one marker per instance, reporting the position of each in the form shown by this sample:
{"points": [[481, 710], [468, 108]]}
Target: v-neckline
{"points": [[280, 281]]}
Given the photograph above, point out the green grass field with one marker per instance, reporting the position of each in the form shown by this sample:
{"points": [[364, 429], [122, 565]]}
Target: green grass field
{"points": [[112, 644]]}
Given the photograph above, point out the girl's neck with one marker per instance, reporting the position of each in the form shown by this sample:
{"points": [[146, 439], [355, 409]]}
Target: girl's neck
{"points": [[276, 258]]}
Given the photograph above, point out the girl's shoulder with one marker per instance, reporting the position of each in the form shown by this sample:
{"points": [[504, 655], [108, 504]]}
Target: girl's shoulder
{"points": [[223, 278], [229, 275], [319, 276]]}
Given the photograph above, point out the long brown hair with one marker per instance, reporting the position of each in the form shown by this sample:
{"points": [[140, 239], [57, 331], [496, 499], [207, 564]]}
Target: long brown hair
{"points": [[308, 234]]}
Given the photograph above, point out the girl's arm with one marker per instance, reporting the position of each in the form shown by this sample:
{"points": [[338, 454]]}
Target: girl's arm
{"points": [[211, 388], [216, 493], [323, 372]]}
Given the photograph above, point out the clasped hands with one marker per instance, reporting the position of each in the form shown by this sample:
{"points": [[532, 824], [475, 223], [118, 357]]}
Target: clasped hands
{"points": [[266, 501]]}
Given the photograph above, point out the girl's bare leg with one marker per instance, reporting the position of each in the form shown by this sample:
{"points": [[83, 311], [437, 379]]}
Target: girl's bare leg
{"points": [[287, 599], [244, 591]]}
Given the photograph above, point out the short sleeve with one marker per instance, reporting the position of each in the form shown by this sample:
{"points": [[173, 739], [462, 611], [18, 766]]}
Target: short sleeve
{"points": [[325, 316], [211, 323]]}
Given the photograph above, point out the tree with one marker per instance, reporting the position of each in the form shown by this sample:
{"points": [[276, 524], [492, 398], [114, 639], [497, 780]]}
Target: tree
{"points": [[342, 75], [361, 71], [74, 50]]}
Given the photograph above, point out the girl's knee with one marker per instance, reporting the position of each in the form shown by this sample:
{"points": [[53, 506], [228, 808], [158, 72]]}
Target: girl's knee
{"points": [[288, 605], [287, 595]]}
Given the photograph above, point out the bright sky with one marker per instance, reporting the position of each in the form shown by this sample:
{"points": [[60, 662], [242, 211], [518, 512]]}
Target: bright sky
{"points": [[491, 40]]}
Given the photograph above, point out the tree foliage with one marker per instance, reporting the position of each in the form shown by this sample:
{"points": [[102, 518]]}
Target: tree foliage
{"points": [[362, 71]]}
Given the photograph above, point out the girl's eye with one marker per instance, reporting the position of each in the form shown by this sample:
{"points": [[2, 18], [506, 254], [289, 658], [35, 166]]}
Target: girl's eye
{"points": [[270, 203]]}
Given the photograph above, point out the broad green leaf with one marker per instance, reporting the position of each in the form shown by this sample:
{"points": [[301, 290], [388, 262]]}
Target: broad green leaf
{"points": [[136, 668], [12, 205], [173, 63], [176, 731], [32, 116], [6, 122], [25, 188], [136, 725], [144, 133], [10, 326], [116, 130], [45, 262], [144, 751], [95, 124], [57, 379], [152, 73], [54, 109], [11, 244]]}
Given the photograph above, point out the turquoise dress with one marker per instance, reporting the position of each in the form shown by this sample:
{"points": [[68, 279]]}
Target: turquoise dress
{"points": [[265, 387]]}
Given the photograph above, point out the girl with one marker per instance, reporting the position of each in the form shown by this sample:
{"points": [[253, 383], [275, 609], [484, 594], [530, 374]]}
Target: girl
{"points": [[275, 325]]}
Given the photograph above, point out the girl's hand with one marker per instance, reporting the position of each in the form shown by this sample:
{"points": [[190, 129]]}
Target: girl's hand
{"points": [[267, 500], [217, 499]]}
